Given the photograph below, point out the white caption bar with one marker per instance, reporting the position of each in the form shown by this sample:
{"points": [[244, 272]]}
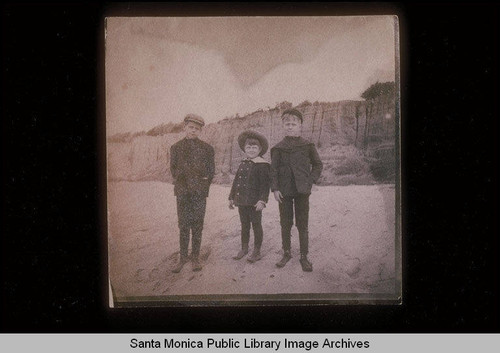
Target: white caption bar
{"points": [[373, 343]]}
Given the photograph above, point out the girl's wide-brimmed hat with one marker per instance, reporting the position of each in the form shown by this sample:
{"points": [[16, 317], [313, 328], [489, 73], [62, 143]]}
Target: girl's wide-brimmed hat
{"points": [[250, 134]]}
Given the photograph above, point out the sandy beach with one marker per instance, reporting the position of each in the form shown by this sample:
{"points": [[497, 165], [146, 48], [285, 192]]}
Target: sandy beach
{"points": [[352, 244]]}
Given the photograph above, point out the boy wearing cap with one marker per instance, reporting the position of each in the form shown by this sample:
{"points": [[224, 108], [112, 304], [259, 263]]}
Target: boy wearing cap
{"points": [[250, 191], [295, 166], [192, 166]]}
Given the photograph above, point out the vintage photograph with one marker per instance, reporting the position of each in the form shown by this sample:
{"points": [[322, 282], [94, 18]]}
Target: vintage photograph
{"points": [[253, 160]]}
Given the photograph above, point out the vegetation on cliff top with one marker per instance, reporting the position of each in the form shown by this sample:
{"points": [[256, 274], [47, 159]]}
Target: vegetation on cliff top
{"points": [[376, 90]]}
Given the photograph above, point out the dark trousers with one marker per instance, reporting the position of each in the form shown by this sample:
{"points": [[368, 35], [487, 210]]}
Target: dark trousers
{"points": [[301, 203], [191, 213], [249, 216]]}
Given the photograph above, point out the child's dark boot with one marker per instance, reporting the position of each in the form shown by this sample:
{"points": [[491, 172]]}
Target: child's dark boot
{"points": [[196, 264], [242, 253], [256, 256], [182, 260], [286, 257], [306, 264]]}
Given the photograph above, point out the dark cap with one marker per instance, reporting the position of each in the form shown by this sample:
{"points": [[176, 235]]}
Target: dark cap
{"points": [[250, 134], [293, 112], [195, 119]]}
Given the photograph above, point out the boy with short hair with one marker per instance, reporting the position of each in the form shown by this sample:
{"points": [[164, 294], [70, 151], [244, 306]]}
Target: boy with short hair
{"points": [[295, 166], [250, 191], [192, 166]]}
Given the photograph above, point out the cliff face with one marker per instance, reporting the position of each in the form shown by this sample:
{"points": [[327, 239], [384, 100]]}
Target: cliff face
{"points": [[342, 131]]}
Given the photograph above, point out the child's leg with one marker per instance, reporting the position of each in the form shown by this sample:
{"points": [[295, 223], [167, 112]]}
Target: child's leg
{"points": [[286, 221], [258, 233], [183, 215], [245, 225], [256, 218], [245, 231], [302, 221], [198, 207]]}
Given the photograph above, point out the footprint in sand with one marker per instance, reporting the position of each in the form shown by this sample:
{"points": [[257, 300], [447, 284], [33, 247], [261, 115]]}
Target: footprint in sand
{"points": [[156, 286], [153, 274], [139, 275], [139, 232], [205, 253], [173, 256], [353, 267], [382, 272], [227, 235]]}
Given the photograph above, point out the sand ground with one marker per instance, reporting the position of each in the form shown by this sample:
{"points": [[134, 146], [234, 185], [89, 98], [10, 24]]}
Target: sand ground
{"points": [[352, 244]]}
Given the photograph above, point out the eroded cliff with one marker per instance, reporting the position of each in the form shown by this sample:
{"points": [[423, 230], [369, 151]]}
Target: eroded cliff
{"points": [[346, 134]]}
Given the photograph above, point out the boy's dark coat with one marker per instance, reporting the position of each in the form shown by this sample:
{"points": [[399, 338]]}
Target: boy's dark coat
{"points": [[192, 166], [294, 159], [250, 184]]}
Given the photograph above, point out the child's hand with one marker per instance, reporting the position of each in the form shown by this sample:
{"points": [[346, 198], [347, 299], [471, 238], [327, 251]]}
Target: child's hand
{"points": [[259, 206], [231, 204], [277, 196]]}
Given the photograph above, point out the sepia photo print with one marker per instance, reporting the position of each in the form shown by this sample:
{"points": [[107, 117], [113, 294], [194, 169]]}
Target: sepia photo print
{"points": [[253, 160]]}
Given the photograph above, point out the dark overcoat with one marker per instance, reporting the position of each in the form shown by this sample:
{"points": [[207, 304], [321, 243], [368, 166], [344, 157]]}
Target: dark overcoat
{"points": [[192, 166], [251, 183], [295, 166]]}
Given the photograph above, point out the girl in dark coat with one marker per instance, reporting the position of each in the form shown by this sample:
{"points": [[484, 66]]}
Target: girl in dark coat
{"points": [[250, 191]]}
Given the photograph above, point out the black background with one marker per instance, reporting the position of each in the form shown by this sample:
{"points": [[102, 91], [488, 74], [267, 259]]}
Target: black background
{"points": [[53, 252]]}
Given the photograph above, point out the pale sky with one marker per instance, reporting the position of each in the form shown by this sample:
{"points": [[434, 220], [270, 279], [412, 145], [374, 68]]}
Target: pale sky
{"points": [[160, 69]]}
